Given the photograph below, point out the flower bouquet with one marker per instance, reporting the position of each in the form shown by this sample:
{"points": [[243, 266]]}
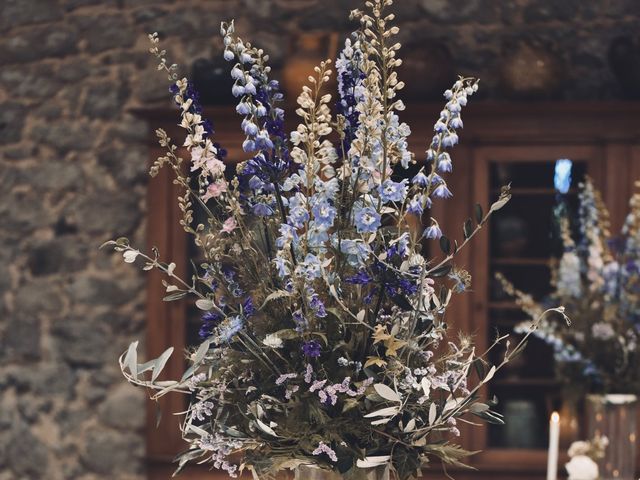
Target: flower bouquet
{"points": [[597, 279], [323, 332]]}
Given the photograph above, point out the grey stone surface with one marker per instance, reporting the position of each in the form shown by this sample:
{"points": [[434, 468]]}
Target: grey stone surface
{"points": [[127, 164], [80, 343], [27, 456], [73, 162], [62, 255], [38, 297], [65, 135], [111, 213], [105, 32], [11, 121], [103, 100], [23, 12], [116, 410], [21, 340], [111, 452]]}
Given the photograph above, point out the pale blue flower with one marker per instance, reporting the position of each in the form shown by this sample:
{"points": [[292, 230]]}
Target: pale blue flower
{"points": [[415, 206], [281, 265], [444, 162], [288, 234], [420, 179], [310, 268], [562, 176], [450, 139], [391, 191], [433, 231], [367, 220], [357, 251], [317, 235], [456, 122], [442, 191], [249, 128], [324, 214], [230, 328], [298, 216], [243, 108]]}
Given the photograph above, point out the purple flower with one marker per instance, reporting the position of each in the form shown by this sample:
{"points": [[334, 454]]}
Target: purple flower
{"points": [[327, 450], [311, 349], [262, 210], [360, 278], [367, 220], [210, 320]]}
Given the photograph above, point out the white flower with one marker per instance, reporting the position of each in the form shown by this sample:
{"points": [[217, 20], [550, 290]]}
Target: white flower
{"points": [[582, 467], [272, 340]]}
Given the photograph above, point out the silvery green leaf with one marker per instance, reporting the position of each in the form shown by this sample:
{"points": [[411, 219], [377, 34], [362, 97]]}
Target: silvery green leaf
{"points": [[144, 367], [170, 269], [373, 461], [479, 407], [451, 404], [387, 392], [382, 421], [174, 296], [201, 352], [204, 304], [411, 426], [383, 412], [265, 428], [190, 371], [490, 375], [131, 359], [166, 383], [130, 256], [160, 363], [433, 413], [274, 296]]}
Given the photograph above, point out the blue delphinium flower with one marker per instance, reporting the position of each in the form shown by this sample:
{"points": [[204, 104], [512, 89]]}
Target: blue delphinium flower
{"points": [[391, 191], [433, 231], [298, 216], [420, 179], [210, 320], [367, 220], [562, 175], [360, 278], [442, 191], [324, 214], [230, 328], [317, 235], [415, 206], [311, 349], [444, 162], [300, 320], [262, 210], [350, 78], [356, 251]]}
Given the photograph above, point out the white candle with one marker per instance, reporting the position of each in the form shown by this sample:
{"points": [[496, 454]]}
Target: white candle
{"points": [[554, 441]]}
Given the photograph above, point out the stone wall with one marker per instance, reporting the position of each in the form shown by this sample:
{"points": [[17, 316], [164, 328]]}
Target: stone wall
{"points": [[73, 174]]}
